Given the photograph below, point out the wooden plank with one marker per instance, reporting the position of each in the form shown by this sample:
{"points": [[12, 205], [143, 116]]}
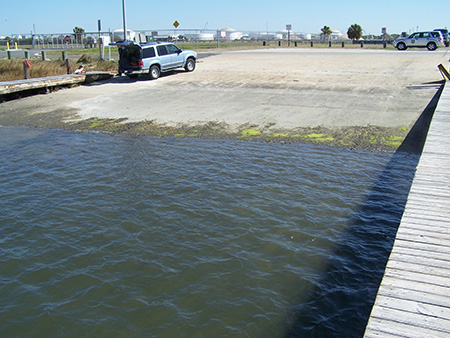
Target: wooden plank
{"points": [[429, 290], [442, 313], [425, 217], [401, 293], [431, 243], [384, 327], [420, 247], [415, 319], [432, 228], [419, 265], [432, 232], [428, 276]]}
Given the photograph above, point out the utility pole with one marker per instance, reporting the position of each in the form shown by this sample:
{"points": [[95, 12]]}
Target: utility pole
{"points": [[124, 22]]}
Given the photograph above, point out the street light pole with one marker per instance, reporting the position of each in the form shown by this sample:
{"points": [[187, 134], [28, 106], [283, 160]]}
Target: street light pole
{"points": [[124, 22]]}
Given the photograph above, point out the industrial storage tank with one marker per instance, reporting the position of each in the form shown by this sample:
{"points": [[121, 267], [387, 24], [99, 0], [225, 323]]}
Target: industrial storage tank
{"points": [[117, 35], [229, 34], [200, 36]]}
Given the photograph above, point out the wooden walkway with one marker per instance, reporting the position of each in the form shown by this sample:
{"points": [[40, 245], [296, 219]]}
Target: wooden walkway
{"points": [[10, 87], [414, 296]]}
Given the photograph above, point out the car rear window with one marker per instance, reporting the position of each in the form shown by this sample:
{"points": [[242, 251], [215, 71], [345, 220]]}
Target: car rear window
{"points": [[149, 52]]}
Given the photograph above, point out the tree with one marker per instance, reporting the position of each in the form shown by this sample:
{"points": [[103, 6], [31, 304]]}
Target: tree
{"points": [[354, 32], [78, 32], [326, 31]]}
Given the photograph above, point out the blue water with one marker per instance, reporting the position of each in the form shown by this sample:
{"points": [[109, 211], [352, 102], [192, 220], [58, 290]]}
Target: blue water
{"points": [[119, 236]]}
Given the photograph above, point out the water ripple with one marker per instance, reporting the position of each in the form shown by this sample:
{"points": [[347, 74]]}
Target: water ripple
{"points": [[127, 236]]}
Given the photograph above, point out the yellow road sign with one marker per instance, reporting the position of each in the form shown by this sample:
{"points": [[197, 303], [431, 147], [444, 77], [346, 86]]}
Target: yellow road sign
{"points": [[176, 24]]}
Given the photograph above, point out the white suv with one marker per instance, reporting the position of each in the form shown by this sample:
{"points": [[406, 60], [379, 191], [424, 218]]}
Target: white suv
{"points": [[153, 58], [430, 40]]}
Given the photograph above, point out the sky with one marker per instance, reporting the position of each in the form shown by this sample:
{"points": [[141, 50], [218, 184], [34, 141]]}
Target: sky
{"points": [[61, 16]]}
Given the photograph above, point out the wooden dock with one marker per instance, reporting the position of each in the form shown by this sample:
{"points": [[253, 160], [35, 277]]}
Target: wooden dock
{"points": [[414, 296], [49, 82]]}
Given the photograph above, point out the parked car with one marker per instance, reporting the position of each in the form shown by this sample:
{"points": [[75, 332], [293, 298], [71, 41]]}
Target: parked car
{"points": [[153, 58], [444, 32], [430, 40]]}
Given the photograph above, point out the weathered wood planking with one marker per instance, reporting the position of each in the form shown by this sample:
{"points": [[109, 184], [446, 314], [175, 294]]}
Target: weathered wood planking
{"points": [[414, 296], [9, 87]]}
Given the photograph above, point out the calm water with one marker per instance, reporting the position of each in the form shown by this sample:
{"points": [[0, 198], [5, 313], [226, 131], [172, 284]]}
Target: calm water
{"points": [[116, 236]]}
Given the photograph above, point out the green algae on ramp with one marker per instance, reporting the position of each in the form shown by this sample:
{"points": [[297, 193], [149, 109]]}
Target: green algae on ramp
{"points": [[368, 137], [250, 132]]}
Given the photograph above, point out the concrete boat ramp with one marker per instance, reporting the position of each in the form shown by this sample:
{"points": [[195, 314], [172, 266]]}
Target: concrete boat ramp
{"points": [[414, 296]]}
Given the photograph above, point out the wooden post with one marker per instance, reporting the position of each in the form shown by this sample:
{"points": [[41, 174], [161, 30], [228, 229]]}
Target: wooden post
{"points": [[69, 71], [26, 68], [444, 72], [102, 51], [64, 57]]}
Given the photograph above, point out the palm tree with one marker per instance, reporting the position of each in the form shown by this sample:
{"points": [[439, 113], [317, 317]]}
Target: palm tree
{"points": [[78, 32], [326, 31], [354, 32]]}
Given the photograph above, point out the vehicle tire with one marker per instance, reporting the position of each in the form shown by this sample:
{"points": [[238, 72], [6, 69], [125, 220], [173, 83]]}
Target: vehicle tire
{"points": [[132, 76], [401, 46], [154, 72], [190, 65], [431, 46]]}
